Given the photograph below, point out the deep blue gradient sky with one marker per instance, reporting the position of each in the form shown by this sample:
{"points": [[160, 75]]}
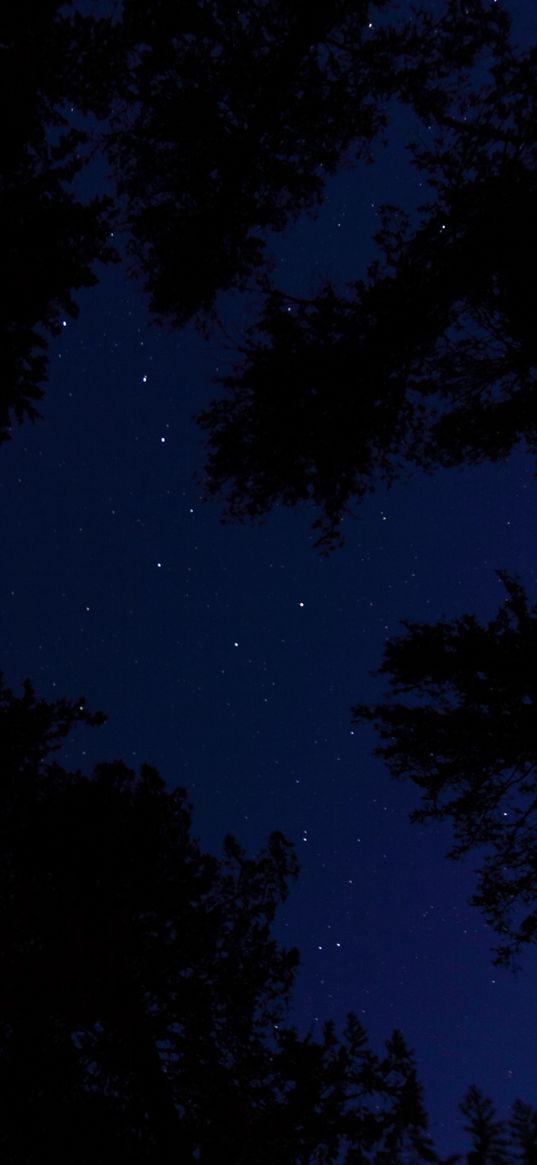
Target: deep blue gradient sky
{"points": [[230, 657]]}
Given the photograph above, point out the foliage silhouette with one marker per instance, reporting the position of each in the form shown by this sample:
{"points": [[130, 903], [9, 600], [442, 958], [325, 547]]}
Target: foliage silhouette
{"points": [[143, 998], [523, 1127], [459, 721], [428, 361], [51, 238], [497, 1142], [234, 118], [219, 125], [489, 1135]]}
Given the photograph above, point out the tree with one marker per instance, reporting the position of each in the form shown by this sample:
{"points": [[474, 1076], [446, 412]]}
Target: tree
{"points": [[523, 1126], [143, 1004], [497, 1142], [428, 361], [234, 118], [488, 1134], [459, 721], [51, 239], [220, 125], [474, 252], [309, 416]]}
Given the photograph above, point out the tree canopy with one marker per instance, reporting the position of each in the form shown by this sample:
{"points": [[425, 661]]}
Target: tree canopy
{"points": [[428, 361], [219, 126], [143, 1014], [234, 118], [459, 721], [144, 1000], [51, 238]]}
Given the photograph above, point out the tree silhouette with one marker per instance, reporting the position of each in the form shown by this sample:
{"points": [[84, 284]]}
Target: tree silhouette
{"points": [[523, 1126], [309, 416], [474, 253], [143, 1004], [497, 1142], [234, 118], [50, 238], [220, 125], [488, 1134], [428, 361], [459, 721]]}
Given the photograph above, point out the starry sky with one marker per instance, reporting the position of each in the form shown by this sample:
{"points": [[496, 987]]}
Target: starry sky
{"points": [[230, 657]]}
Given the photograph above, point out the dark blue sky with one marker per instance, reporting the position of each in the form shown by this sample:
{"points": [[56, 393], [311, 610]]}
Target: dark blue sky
{"points": [[229, 657]]}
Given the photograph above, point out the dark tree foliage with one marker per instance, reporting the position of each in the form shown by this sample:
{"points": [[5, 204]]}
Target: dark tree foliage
{"points": [[429, 361], [312, 415], [238, 117], [497, 1142], [459, 721], [50, 239], [234, 118], [523, 1126], [143, 1002], [474, 258], [220, 125], [488, 1134]]}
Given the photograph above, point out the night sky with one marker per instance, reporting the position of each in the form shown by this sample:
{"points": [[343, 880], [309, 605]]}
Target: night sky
{"points": [[229, 657]]}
